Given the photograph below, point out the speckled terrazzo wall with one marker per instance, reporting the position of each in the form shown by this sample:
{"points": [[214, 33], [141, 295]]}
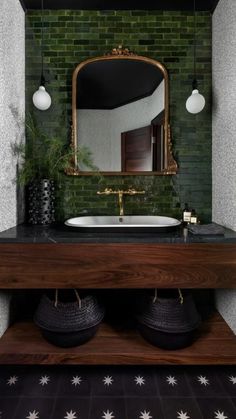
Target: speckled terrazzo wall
{"points": [[224, 135], [226, 305], [12, 104], [5, 312], [224, 110]]}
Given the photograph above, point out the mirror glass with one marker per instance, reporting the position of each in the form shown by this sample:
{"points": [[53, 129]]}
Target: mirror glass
{"points": [[120, 112]]}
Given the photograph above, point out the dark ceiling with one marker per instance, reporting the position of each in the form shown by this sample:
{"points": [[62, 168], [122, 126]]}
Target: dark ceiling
{"points": [[109, 84], [121, 4]]}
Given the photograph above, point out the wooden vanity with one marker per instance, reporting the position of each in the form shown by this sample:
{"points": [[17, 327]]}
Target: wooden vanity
{"points": [[117, 265]]}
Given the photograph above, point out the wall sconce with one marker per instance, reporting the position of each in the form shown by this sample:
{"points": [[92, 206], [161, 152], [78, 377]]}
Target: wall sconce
{"points": [[196, 102], [41, 98]]}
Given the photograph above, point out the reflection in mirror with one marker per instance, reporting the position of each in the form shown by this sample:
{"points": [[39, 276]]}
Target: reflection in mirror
{"points": [[120, 112]]}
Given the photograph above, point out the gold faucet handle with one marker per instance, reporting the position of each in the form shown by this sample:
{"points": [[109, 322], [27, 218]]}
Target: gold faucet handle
{"points": [[132, 191], [107, 191]]}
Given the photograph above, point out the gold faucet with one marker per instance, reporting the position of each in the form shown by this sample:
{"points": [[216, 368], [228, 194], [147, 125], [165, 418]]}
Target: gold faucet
{"points": [[120, 193]]}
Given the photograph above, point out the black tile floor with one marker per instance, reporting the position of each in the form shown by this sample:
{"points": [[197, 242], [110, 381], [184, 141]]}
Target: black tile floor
{"points": [[75, 392]]}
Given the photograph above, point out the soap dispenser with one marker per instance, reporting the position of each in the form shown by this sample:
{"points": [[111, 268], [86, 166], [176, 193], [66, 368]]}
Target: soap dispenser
{"points": [[193, 218], [186, 215]]}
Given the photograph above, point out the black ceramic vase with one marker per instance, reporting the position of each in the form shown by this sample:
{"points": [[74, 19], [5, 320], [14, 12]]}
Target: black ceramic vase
{"points": [[40, 202]]}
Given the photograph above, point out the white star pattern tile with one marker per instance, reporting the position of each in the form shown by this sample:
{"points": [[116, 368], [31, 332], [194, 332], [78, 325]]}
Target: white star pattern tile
{"points": [[220, 415], [182, 415], [232, 379], [117, 392], [33, 415], [108, 380], [217, 408], [76, 381], [108, 415], [203, 380], [171, 380], [70, 415], [145, 415], [139, 380], [12, 380], [44, 380]]}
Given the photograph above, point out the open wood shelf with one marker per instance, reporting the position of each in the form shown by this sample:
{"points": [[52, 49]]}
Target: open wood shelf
{"points": [[22, 343], [114, 266]]}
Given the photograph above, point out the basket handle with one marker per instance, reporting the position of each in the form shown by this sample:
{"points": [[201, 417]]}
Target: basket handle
{"points": [[76, 293], [181, 298]]}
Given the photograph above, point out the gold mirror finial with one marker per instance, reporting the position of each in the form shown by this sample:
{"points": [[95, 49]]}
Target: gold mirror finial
{"points": [[120, 51]]}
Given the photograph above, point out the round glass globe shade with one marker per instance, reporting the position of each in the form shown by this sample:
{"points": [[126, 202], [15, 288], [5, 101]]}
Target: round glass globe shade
{"points": [[196, 102], [41, 99]]}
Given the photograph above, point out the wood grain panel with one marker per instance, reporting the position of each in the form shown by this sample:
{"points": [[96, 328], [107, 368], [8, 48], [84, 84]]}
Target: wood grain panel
{"points": [[22, 344], [117, 265]]}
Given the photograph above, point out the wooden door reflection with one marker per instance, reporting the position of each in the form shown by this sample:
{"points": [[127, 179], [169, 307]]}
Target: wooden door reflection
{"points": [[142, 149]]}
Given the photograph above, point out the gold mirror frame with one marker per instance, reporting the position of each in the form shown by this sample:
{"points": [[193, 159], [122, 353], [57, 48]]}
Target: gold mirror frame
{"points": [[170, 165]]}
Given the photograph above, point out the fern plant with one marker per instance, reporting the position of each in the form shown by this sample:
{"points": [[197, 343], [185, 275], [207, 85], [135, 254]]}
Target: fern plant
{"points": [[44, 156]]}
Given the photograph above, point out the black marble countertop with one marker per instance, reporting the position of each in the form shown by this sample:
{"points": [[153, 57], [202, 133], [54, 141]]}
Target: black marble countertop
{"points": [[62, 234]]}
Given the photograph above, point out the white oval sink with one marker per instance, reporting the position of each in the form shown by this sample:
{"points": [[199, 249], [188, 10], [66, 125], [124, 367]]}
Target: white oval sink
{"points": [[126, 221]]}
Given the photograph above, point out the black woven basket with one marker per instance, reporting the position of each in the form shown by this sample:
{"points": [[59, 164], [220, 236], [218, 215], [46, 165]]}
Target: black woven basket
{"points": [[168, 320], [68, 324]]}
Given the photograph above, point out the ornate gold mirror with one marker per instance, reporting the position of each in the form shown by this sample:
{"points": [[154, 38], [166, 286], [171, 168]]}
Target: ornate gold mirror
{"points": [[120, 112]]}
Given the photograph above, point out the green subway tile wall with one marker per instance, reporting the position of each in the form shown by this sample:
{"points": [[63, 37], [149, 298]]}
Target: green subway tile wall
{"points": [[71, 36]]}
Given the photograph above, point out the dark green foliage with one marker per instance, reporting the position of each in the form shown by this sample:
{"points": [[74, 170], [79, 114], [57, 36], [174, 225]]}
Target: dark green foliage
{"points": [[44, 156]]}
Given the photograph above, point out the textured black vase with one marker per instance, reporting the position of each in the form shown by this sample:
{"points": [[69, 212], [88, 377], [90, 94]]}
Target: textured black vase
{"points": [[40, 202]]}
